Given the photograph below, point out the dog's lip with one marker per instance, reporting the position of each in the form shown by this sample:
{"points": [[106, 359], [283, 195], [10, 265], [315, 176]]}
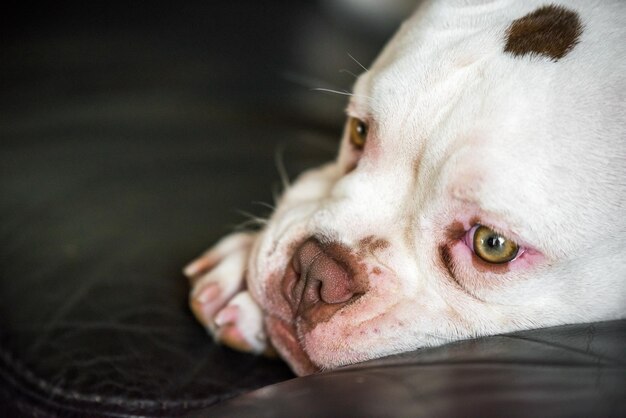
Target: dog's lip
{"points": [[285, 339]]}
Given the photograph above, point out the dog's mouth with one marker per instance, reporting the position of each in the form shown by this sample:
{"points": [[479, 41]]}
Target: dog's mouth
{"points": [[285, 340]]}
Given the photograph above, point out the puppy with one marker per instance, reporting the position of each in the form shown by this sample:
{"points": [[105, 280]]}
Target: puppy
{"points": [[480, 188]]}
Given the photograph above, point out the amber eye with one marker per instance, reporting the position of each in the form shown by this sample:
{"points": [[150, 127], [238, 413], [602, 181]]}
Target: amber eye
{"points": [[493, 247], [358, 132]]}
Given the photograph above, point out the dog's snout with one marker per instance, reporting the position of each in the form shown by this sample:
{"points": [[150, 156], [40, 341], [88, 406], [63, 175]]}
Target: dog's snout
{"points": [[320, 280], [324, 277]]}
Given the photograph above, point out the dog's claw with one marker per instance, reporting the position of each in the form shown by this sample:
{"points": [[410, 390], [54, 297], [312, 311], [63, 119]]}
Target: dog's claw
{"points": [[205, 302], [227, 316]]}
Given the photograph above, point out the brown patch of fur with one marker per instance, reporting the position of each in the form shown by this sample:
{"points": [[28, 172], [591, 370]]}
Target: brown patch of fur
{"points": [[550, 30], [365, 242], [351, 166], [455, 231], [379, 244], [417, 165], [371, 244], [446, 259], [411, 218], [409, 232]]}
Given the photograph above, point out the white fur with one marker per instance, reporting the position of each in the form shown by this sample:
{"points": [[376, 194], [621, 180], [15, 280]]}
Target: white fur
{"points": [[248, 319], [458, 128]]}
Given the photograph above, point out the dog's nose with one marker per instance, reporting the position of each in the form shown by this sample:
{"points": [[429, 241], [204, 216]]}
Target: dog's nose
{"points": [[321, 275]]}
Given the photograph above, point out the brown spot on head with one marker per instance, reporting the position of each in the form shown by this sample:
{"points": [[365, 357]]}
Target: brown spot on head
{"points": [[550, 30]]}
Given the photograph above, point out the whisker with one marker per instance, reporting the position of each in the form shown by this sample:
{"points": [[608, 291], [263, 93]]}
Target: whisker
{"points": [[248, 225], [357, 61], [264, 204], [304, 80], [252, 221], [280, 166], [276, 194], [343, 70], [343, 93]]}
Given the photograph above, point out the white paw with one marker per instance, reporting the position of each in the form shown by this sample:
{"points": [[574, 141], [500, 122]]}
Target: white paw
{"points": [[217, 298], [240, 325], [217, 275]]}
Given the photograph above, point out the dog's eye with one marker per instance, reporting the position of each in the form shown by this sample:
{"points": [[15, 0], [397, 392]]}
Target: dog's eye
{"points": [[493, 247], [358, 132]]}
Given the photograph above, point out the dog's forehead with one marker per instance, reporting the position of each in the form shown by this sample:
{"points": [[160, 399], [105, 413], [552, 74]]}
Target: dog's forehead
{"points": [[448, 77], [514, 67], [449, 46], [498, 93]]}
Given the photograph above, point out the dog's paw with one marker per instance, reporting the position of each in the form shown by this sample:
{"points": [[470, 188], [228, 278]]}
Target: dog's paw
{"points": [[239, 325], [218, 299], [217, 276]]}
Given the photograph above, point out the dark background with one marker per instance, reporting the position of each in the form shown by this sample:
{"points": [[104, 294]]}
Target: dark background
{"points": [[132, 134]]}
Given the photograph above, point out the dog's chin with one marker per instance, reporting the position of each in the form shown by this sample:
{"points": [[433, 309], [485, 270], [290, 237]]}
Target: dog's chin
{"points": [[285, 340]]}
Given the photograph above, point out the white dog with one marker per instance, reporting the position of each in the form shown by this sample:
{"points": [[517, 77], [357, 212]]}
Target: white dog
{"points": [[480, 188]]}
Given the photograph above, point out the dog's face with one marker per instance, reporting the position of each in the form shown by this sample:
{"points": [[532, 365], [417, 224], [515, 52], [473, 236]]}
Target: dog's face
{"points": [[480, 188]]}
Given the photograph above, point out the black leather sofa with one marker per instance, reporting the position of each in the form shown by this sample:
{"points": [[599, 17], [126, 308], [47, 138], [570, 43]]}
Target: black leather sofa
{"points": [[131, 135]]}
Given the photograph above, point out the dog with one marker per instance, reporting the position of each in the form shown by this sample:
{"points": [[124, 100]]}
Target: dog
{"points": [[479, 188]]}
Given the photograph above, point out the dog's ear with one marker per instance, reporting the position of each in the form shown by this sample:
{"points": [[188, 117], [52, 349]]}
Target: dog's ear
{"points": [[551, 31]]}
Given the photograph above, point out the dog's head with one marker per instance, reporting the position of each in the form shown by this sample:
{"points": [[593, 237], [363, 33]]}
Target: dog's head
{"points": [[480, 188]]}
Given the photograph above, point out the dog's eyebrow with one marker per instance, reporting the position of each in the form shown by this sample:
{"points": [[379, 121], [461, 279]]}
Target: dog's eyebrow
{"points": [[466, 193], [467, 196]]}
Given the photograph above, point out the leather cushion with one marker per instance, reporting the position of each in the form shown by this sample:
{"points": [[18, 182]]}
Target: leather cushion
{"points": [[568, 371]]}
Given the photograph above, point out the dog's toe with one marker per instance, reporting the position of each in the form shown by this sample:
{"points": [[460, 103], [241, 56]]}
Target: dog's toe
{"points": [[240, 325], [216, 277], [228, 245], [205, 302]]}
